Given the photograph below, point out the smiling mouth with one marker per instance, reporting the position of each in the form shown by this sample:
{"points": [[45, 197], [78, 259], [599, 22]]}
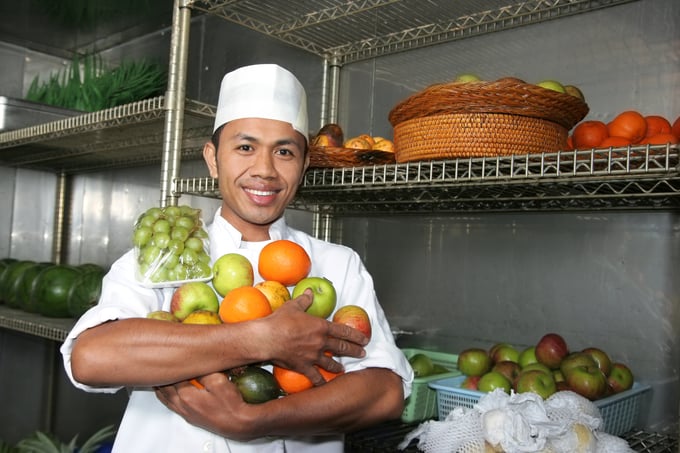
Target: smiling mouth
{"points": [[262, 193]]}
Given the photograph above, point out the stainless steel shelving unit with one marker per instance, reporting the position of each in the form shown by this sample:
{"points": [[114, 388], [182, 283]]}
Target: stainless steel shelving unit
{"points": [[119, 137], [33, 324], [626, 178], [350, 31]]}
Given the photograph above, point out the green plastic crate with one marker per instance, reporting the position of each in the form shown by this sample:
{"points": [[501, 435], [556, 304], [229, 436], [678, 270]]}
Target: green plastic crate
{"points": [[422, 403]]}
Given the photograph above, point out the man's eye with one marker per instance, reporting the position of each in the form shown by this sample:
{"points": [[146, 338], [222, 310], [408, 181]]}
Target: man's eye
{"points": [[245, 147], [284, 152]]}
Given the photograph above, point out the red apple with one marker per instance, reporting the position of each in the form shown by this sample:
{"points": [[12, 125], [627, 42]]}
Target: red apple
{"points": [[551, 349], [576, 359], [354, 316], [538, 367], [470, 382], [193, 296], [508, 369], [536, 381], [474, 362], [504, 352], [601, 358], [527, 356], [620, 378], [587, 381], [493, 380]]}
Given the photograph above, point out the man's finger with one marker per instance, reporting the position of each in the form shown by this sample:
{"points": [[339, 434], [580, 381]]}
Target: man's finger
{"points": [[345, 332]]}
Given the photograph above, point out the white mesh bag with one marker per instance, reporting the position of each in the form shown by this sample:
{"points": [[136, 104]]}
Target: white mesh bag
{"points": [[519, 423]]}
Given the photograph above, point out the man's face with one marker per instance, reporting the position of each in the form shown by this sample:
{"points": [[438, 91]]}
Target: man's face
{"points": [[259, 165]]}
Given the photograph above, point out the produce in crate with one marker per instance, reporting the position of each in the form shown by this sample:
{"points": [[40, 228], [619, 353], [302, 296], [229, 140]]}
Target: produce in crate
{"points": [[548, 367], [171, 246], [474, 362]]}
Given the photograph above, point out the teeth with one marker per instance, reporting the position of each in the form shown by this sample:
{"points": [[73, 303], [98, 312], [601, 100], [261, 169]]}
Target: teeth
{"points": [[262, 193]]}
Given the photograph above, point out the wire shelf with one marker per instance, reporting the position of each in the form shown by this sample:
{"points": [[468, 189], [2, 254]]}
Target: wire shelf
{"points": [[620, 178]]}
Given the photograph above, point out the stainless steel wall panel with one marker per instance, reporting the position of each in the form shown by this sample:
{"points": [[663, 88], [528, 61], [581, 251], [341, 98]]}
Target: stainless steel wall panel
{"points": [[33, 215]]}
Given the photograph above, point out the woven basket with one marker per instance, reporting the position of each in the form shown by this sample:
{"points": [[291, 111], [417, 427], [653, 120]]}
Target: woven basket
{"points": [[475, 135], [507, 95], [330, 157]]}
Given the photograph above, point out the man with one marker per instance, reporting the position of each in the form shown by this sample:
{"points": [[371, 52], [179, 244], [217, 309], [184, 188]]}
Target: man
{"points": [[259, 155]]}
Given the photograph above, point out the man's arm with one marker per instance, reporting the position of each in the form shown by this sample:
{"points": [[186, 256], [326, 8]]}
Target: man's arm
{"points": [[147, 352], [350, 401]]}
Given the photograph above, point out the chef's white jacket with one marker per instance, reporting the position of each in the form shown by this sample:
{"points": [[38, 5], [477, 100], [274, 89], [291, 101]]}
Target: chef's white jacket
{"points": [[148, 426]]}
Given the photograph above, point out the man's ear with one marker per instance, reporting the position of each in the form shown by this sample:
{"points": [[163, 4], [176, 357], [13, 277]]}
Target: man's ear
{"points": [[210, 158]]}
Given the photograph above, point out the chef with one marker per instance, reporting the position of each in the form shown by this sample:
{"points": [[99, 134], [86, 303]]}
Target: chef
{"points": [[259, 154]]}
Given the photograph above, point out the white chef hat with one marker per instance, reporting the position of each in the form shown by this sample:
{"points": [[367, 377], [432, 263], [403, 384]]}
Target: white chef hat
{"points": [[262, 91]]}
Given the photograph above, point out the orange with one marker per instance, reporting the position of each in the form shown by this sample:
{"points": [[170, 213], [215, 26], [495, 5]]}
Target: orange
{"points": [[657, 125], [629, 124], [243, 304], [284, 261], [660, 139], [675, 128], [293, 382], [614, 142], [589, 134]]}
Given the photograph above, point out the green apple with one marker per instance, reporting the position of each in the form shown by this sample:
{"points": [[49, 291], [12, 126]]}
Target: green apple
{"points": [[620, 378], [574, 360], [325, 297], [467, 78], [587, 381], [574, 91], [537, 367], [493, 380], [536, 381], [193, 296], [162, 315], [552, 85], [601, 358], [474, 362], [422, 365], [504, 352], [527, 356], [231, 271]]}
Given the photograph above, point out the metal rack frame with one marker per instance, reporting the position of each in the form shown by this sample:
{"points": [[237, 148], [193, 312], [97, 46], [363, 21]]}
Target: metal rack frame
{"points": [[622, 178]]}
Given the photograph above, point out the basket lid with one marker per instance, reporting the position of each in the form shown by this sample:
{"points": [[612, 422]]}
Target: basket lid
{"points": [[506, 95]]}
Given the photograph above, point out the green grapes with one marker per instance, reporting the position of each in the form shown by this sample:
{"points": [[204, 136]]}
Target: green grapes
{"points": [[171, 244]]}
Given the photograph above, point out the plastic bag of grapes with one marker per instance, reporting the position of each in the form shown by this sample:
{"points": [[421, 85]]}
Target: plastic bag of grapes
{"points": [[171, 247]]}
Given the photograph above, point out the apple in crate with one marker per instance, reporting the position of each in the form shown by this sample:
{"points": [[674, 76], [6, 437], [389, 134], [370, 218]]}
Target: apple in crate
{"points": [[474, 362], [536, 381], [470, 382], [576, 359], [601, 358], [502, 352], [508, 369], [587, 381], [551, 349], [620, 378], [493, 380]]}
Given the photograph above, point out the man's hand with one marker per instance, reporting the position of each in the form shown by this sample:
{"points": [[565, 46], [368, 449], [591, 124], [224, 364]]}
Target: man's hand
{"points": [[218, 406], [299, 341]]}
